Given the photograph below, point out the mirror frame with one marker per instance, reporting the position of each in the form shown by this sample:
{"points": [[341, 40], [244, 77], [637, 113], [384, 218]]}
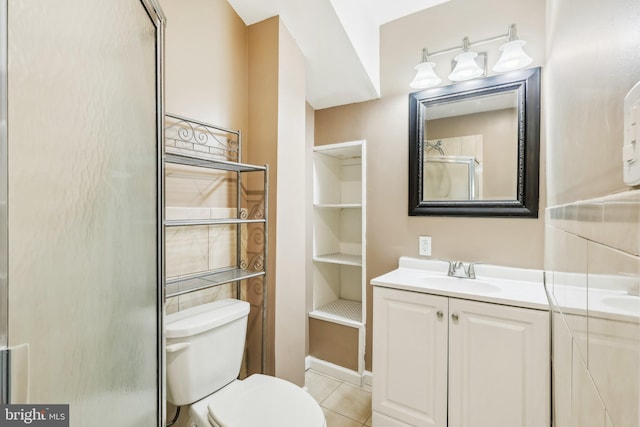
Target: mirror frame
{"points": [[527, 85]]}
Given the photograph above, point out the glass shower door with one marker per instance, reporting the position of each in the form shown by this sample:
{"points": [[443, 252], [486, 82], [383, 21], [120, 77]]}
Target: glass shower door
{"points": [[84, 207]]}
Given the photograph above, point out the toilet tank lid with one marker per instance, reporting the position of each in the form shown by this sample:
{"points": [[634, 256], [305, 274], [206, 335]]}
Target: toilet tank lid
{"points": [[204, 317]]}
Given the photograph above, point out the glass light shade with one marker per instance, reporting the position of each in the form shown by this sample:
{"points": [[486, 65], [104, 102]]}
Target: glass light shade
{"points": [[425, 76], [466, 67], [513, 57]]}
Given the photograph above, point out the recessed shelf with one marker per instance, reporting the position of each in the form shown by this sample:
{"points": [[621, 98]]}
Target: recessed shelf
{"points": [[342, 151], [194, 282], [338, 205], [341, 311], [339, 245], [338, 258]]}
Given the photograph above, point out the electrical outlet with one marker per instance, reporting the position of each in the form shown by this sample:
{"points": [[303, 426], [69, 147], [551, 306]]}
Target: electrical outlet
{"points": [[424, 243]]}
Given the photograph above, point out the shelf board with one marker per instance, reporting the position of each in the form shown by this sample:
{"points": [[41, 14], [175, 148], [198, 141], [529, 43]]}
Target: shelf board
{"points": [[218, 221], [182, 159], [338, 258], [344, 150], [338, 205], [209, 279], [341, 311]]}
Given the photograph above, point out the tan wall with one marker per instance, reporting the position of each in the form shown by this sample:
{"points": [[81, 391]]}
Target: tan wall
{"points": [[200, 36], [290, 307], [263, 113], [334, 343], [206, 62], [277, 132], [384, 124], [592, 245]]}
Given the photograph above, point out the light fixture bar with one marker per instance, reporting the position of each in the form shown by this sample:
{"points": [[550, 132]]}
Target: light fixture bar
{"points": [[508, 35]]}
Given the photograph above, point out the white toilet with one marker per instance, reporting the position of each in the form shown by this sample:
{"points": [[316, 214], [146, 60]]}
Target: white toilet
{"points": [[204, 354]]}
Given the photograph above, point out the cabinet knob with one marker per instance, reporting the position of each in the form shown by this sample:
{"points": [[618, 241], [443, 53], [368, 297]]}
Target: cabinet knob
{"points": [[455, 317], [439, 314]]}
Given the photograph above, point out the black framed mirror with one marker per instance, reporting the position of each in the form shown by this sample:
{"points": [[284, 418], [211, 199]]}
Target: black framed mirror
{"points": [[474, 147]]}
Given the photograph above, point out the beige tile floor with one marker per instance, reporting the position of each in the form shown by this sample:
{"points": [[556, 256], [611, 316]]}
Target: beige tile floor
{"points": [[344, 405]]}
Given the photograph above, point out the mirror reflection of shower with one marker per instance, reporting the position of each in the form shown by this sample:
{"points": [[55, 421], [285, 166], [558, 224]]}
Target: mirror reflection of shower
{"points": [[437, 146], [453, 168]]}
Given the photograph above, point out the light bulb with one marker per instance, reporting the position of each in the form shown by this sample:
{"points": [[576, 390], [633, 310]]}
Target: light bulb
{"points": [[513, 57], [466, 67], [425, 76]]}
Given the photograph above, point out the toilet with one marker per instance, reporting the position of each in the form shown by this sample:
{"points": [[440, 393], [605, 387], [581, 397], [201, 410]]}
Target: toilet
{"points": [[204, 353]]}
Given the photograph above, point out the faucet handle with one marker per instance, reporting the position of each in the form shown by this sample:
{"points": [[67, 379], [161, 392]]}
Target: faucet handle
{"points": [[470, 270], [452, 265]]}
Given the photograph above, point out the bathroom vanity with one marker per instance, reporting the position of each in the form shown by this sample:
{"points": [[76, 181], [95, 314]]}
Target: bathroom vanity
{"points": [[451, 351]]}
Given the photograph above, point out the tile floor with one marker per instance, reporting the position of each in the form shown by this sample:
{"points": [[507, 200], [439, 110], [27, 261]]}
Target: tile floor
{"points": [[344, 404]]}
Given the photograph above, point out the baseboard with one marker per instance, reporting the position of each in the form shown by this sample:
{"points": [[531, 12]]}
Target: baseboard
{"points": [[367, 378], [338, 372]]}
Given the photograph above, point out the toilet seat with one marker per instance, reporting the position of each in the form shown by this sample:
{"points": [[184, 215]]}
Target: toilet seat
{"points": [[265, 401]]}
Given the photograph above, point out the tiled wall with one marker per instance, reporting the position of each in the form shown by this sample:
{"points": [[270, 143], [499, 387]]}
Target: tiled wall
{"points": [[593, 278], [196, 249]]}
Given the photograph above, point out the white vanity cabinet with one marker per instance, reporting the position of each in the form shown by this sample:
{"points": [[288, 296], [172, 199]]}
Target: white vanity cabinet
{"points": [[410, 334], [442, 361]]}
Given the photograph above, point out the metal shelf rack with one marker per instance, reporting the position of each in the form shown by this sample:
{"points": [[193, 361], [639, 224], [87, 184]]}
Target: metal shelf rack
{"points": [[200, 146]]}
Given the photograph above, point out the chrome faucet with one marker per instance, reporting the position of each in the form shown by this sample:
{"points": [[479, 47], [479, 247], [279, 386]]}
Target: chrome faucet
{"points": [[458, 269]]}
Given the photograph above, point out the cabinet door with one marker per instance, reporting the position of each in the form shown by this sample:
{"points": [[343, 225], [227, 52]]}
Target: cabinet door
{"points": [[410, 357], [498, 366]]}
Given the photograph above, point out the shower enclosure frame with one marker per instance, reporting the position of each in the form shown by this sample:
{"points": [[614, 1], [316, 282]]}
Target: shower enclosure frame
{"points": [[4, 223], [158, 19], [469, 161]]}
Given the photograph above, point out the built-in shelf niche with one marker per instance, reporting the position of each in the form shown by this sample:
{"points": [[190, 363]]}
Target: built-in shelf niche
{"points": [[339, 237]]}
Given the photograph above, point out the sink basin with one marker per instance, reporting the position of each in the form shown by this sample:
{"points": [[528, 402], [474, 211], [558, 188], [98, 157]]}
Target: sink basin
{"points": [[461, 285], [627, 303]]}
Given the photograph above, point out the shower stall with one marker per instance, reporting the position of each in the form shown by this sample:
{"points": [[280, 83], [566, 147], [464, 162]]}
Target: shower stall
{"points": [[453, 169], [81, 208]]}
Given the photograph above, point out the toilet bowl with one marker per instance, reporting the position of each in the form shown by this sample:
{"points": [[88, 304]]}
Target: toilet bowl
{"points": [[204, 354], [259, 400]]}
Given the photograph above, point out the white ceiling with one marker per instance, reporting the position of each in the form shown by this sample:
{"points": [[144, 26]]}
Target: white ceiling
{"points": [[339, 39]]}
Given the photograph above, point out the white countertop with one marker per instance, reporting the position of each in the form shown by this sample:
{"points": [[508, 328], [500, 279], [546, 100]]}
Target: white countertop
{"points": [[494, 284], [608, 304]]}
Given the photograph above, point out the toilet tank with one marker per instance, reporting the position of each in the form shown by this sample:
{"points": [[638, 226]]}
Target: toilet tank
{"points": [[204, 349]]}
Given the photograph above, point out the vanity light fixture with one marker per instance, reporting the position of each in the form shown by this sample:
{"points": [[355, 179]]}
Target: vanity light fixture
{"points": [[469, 64]]}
